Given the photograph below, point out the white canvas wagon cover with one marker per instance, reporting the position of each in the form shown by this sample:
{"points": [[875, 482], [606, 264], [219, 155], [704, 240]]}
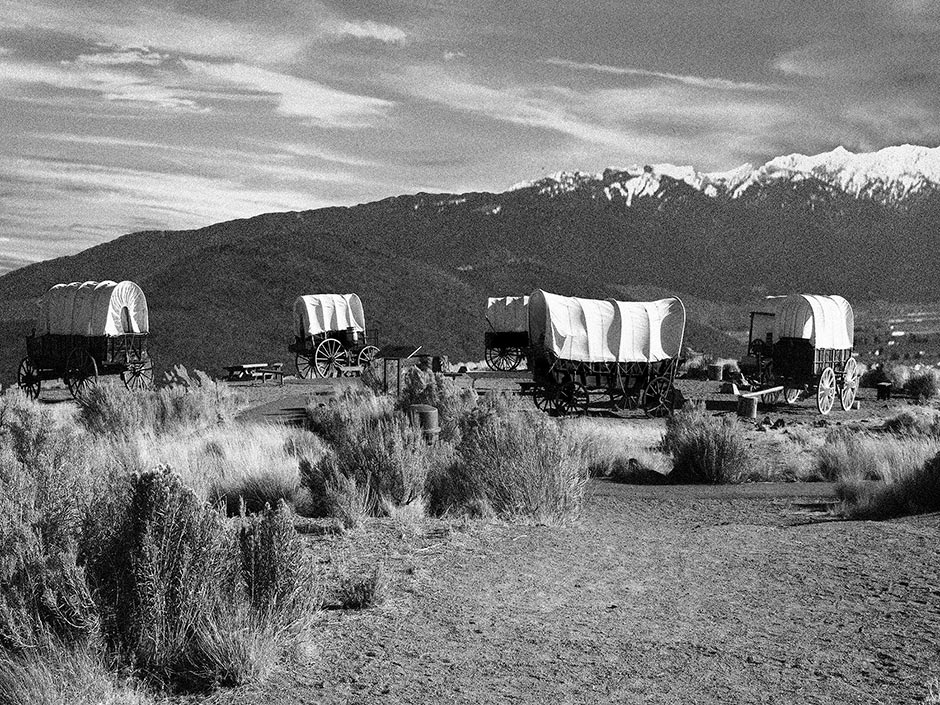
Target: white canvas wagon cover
{"points": [[93, 308], [826, 321], [508, 314], [596, 330], [320, 313]]}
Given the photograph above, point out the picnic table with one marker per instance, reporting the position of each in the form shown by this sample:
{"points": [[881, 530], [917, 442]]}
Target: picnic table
{"points": [[253, 371]]}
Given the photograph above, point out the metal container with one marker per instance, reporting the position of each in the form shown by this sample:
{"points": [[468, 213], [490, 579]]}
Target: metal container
{"points": [[715, 372], [747, 407], [425, 417]]}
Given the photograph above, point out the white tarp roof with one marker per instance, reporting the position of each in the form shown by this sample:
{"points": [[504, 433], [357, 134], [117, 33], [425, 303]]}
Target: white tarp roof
{"points": [[595, 330], [320, 313], [507, 314], [826, 321], [93, 308]]}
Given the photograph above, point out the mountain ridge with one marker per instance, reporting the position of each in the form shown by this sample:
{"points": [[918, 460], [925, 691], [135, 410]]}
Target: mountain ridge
{"points": [[424, 263]]}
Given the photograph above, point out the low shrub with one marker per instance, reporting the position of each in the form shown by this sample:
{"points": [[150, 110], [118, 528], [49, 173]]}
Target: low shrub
{"points": [[109, 410], [704, 449], [647, 468], [65, 676], [855, 457], [515, 465], [921, 387], [332, 493], [914, 423], [914, 490], [358, 593]]}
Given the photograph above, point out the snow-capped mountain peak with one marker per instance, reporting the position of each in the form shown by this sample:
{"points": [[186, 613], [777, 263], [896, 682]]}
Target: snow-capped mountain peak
{"points": [[889, 175]]}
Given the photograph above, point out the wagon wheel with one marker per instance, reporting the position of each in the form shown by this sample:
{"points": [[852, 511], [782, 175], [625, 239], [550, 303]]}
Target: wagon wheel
{"points": [[767, 379], [28, 379], [544, 397], [305, 368], [826, 391], [572, 398], [139, 375], [849, 384], [502, 359], [329, 357], [81, 373], [791, 395], [367, 355], [660, 397]]}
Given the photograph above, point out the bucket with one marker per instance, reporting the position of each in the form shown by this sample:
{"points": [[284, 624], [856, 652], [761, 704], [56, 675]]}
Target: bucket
{"points": [[747, 407], [424, 417], [715, 372]]}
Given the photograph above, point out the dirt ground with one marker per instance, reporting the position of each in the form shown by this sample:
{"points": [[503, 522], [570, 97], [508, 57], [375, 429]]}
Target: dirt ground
{"points": [[732, 594]]}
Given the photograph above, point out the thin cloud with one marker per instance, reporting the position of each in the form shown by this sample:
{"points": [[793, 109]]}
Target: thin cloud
{"points": [[109, 83], [296, 97], [367, 30], [694, 81], [158, 28], [123, 57]]}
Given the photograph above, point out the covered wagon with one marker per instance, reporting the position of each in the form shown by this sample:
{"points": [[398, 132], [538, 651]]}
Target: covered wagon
{"points": [[804, 343], [619, 354], [330, 337], [85, 330], [507, 332]]}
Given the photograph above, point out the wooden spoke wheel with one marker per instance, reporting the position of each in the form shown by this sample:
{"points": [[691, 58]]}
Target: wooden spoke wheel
{"points": [[81, 373], [849, 386], [826, 391], [329, 357], [572, 398], [367, 355], [305, 368], [138, 375], [660, 397], [791, 395], [767, 380], [544, 397], [502, 359], [28, 379]]}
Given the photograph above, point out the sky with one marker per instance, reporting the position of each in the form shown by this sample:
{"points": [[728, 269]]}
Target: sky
{"points": [[121, 116]]}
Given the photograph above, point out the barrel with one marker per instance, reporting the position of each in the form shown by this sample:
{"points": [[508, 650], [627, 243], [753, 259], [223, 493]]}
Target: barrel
{"points": [[714, 372], [425, 417], [747, 407]]}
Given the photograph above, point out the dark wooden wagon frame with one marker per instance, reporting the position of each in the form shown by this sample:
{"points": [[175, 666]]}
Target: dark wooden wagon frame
{"points": [[334, 353], [572, 387], [803, 370], [79, 360], [505, 350]]}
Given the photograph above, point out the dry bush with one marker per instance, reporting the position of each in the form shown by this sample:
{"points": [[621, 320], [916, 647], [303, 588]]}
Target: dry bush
{"points": [[914, 423], [515, 465], [704, 448], [111, 410], [348, 415], [911, 489], [921, 386], [44, 598], [645, 468], [604, 446], [364, 592], [386, 462], [180, 596], [856, 457], [453, 403]]}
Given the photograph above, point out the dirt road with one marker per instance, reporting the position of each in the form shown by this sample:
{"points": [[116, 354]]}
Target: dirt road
{"points": [[734, 594]]}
